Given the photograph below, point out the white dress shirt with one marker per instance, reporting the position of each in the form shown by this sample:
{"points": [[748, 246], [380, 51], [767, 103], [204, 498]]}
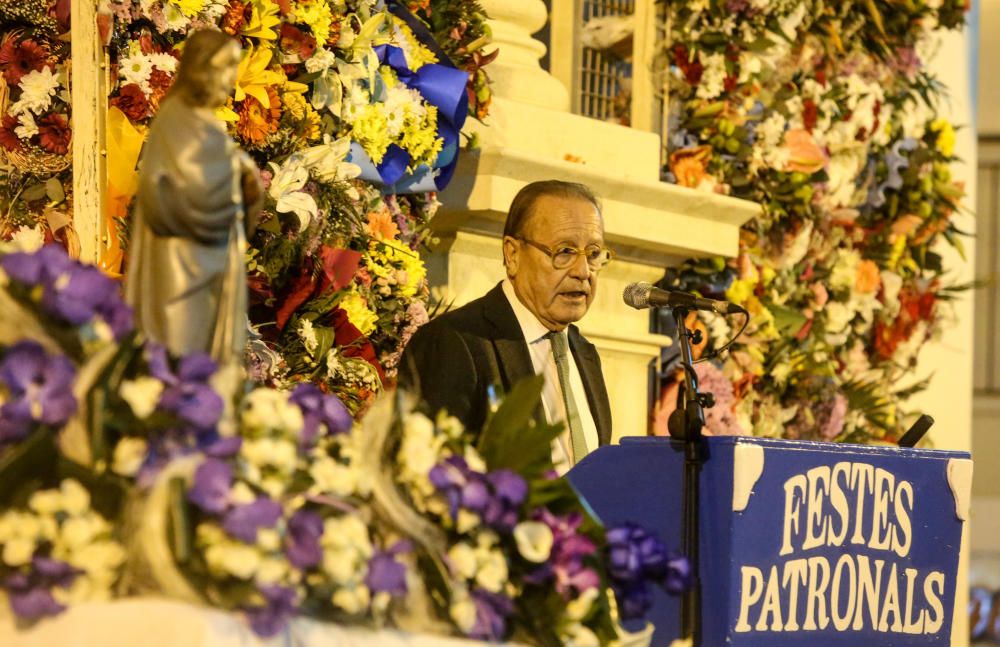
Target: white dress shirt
{"points": [[544, 363]]}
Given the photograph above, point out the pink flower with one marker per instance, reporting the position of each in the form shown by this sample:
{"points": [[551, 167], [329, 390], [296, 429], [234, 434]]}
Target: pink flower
{"points": [[804, 154], [820, 294]]}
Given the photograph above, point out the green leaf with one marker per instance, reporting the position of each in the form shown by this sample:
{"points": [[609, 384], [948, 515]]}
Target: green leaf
{"points": [[512, 439], [786, 320]]}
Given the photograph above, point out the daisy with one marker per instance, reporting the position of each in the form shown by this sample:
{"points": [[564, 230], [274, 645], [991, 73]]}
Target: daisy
{"points": [[136, 69], [37, 89]]}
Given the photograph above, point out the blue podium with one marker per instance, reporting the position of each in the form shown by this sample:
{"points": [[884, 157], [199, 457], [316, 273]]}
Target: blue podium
{"points": [[801, 543]]}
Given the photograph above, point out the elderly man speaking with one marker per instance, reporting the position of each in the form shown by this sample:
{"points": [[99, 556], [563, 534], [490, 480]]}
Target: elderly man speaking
{"points": [[553, 250]]}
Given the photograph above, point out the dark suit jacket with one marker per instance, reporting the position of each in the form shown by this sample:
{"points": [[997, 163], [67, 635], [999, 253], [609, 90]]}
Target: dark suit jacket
{"points": [[452, 361]]}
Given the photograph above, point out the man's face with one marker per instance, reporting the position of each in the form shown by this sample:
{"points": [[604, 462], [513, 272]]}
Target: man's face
{"points": [[557, 297]]}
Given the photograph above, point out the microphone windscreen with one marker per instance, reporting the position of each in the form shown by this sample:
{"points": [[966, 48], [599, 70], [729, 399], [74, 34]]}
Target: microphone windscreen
{"points": [[637, 294]]}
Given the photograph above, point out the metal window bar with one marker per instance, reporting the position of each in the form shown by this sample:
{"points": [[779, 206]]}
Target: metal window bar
{"points": [[604, 79], [986, 375]]}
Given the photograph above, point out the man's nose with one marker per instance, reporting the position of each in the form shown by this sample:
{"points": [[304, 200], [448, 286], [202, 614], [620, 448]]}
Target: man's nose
{"points": [[580, 269]]}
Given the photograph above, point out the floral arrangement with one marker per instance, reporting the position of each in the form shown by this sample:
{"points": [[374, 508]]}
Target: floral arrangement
{"points": [[35, 117], [124, 470], [825, 114], [352, 111]]}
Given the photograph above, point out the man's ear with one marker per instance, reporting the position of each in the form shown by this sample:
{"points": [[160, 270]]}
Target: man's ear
{"points": [[511, 254]]}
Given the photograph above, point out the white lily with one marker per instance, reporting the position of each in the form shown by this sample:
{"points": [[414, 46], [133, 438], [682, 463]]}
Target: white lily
{"points": [[326, 161], [286, 190]]}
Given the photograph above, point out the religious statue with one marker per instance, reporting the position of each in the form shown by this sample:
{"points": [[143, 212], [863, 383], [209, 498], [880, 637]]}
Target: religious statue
{"points": [[198, 200]]}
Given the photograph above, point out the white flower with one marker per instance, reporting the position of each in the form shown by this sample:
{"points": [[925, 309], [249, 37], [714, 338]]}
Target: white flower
{"points": [[233, 558], [27, 128], [355, 599], [534, 540], [78, 532], [142, 395], [128, 457], [18, 551], [843, 169], [308, 334], [270, 410], [845, 270], [268, 539], [579, 636], [272, 571], [176, 20], [320, 61], [462, 558], [713, 78], [162, 61], [578, 608], [136, 69], [331, 476], [75, 497], [492, 574], [286, 190], [326, 161], [891, 284], [28, 239], [462, 609], [37, 89]]}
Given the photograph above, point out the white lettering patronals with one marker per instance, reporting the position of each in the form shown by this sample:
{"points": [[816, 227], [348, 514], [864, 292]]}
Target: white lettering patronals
{"points": [[853, 507]]}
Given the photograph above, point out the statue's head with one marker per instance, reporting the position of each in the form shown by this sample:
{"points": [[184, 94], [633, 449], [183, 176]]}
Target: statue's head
{"points": [[208, 68]]}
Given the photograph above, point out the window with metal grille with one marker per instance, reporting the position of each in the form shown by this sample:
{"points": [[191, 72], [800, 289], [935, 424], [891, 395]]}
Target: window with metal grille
{"points": [[986, 363]]}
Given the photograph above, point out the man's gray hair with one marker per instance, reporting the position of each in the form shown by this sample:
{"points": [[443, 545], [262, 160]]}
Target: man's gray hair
{"points": [[524, 201]]}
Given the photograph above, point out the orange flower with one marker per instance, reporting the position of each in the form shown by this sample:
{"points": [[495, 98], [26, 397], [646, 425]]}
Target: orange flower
{"points": [[906, 224], [868, 278], [381, 225], [257, 122], [688, 165], [804, 154]]}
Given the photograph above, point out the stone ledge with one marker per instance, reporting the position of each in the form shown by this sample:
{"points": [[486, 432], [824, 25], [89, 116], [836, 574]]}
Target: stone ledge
{"points": [[645, 220]]}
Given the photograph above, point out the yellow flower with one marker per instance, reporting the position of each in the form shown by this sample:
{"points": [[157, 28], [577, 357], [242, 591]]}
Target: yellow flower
{"points": [[262, 19], [189, 8], [295, 105], [253, 77], [417, 54], [358, 313], [740, 291], [316, 14], [371, 130], [946, 137]]}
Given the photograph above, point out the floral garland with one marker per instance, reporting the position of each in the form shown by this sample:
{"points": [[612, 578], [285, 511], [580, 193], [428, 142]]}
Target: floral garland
{"points": [[280, 504], [825, 114]]}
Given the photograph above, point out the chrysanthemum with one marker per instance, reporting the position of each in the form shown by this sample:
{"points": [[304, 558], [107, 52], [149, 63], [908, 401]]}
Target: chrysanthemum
{"points": [[257, 122], [132, 101], [37, 89], [55, 133], [19, 58]]}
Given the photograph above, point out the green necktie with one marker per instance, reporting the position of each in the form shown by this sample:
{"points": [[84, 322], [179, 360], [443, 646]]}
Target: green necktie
{"points": [[560, 352]]}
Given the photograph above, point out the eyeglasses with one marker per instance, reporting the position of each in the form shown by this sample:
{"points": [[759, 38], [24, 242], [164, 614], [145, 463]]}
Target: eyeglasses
{"points": [[565, 256]]}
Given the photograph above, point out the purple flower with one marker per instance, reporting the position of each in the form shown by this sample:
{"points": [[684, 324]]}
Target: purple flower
{"points": [[302, 542], [566, 561], [492, 611], [496, 496], [279, 607], [223, 447], [633, 554], [212, 481], [31, 593], [243, 521], [511, 491], [635, 559], [320, 408], [188, 394], [71, 291], [40, 386], [385, 574]]}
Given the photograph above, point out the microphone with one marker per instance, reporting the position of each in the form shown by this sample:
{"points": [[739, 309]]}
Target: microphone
{"points": [[643, 295]]}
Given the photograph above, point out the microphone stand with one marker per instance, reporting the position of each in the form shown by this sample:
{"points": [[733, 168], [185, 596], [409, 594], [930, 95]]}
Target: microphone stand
{"points": [[686, 424]]}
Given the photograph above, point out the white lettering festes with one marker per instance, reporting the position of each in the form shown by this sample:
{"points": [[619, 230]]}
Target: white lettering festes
{"points": [[856, 594], [826, 507]]}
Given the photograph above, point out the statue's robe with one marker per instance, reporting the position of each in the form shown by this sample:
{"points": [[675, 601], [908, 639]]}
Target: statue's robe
{"points": [[186, 277]]}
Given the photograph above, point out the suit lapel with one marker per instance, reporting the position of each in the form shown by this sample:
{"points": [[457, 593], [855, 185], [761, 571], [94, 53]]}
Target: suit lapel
{"points": [[513, 359], [589, 363]]}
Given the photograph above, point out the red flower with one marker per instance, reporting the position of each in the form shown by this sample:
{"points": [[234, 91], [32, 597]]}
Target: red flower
{"points": [[55, 133], [810, 114], [160, 81], [8, 138], [17, 59], [692, 69], [132, 101], [295, 41]]}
